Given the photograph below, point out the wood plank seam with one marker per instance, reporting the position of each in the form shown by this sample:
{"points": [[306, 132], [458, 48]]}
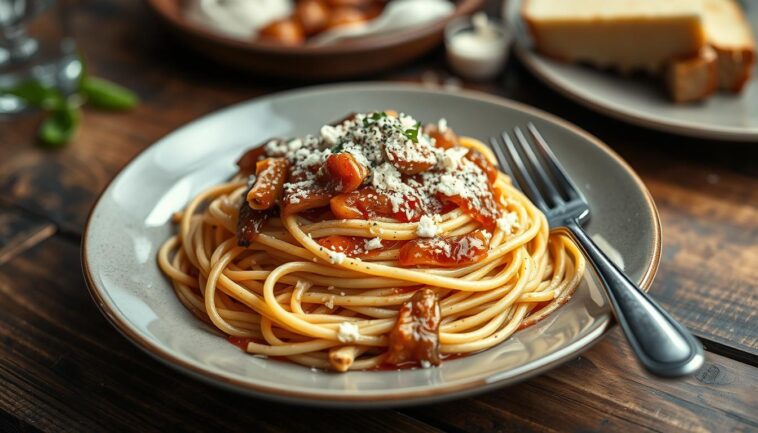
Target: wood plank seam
{"points": [[727, 351], [20, 230]]}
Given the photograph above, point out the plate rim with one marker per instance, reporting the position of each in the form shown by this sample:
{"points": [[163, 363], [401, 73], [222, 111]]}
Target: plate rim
{"points": [[392, 398], [528, 58]]}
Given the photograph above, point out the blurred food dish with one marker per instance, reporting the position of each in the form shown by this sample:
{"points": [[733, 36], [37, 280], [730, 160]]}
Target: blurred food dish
{"points": [[311, 39], [299, 22]]}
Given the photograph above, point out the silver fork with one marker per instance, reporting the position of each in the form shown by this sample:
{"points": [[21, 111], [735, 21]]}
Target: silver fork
{"points": [[662, 345]]}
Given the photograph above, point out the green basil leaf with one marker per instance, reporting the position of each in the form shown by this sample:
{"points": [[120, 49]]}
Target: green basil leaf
{"points": [[58, 128], [105, 94], [37, 94]]}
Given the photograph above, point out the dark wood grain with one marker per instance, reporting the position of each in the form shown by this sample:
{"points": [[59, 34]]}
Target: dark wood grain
{"points": [[20, 230], [711, 282], [605, 391], [64, 368]]}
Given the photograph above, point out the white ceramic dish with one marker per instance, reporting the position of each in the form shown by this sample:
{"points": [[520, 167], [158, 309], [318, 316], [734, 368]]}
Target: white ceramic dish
{"points": [[131, 220], [723, 116]]}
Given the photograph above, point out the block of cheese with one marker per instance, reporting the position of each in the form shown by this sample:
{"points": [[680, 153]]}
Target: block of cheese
{"points": [[626, 35], [692, 79], [728, 32]]}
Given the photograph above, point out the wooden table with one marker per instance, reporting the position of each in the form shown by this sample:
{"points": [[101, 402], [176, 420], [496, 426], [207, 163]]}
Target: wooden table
{"points": [[64, 368]]}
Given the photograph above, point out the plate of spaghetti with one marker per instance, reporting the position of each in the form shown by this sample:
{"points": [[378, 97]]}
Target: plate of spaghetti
{"points": [[357, 245]]}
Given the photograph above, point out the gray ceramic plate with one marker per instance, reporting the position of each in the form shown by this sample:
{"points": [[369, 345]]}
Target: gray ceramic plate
{"points": [[131, 220], [723, 116]]}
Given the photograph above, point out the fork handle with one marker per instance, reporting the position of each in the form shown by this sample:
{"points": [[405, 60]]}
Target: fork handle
{"points": [[662, 345]]}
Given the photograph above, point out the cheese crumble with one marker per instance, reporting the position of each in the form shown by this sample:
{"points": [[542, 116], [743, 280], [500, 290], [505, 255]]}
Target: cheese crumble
{"points": [[348, 332], [337, 258], [382, 143], [372, 244], [426, 227], [508, 222]]}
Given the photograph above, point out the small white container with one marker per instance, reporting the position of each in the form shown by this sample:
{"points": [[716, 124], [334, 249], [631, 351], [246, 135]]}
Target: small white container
{"points": [[477, 47]]}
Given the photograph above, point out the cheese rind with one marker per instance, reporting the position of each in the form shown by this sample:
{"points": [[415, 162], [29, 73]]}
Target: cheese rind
{"points": [[692, 79], [728, 32]]}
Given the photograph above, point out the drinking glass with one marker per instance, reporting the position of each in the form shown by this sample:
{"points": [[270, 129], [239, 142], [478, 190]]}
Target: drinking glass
{"points": [[35, 45]]}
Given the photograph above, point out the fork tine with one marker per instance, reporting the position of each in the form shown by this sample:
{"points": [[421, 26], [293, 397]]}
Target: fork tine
{"points": [[502, 161], [539, 168], [525, 178], [549, 157]]}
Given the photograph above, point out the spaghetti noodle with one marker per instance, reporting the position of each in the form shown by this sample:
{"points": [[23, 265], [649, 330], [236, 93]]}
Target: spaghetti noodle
{"points": [[378, 242]]}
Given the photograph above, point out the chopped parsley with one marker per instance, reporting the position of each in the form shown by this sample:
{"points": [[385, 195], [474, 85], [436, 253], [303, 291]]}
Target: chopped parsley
{"points": [[338, 148], [412, 134], [373, 118]]}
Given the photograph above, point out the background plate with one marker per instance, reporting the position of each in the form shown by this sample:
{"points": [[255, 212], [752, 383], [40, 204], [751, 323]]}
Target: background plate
{"points": [[641, 101], [131, 220], [309, 62]]}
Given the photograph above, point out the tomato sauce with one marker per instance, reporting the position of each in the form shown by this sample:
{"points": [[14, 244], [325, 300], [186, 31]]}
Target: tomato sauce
{"points": [[445, 252]]}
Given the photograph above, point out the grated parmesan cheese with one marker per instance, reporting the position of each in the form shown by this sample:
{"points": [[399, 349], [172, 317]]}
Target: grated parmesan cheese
{"points": [[426, 227], [442, 125], [336, 258], [508, 222], [451, 185], [375, 140], [451, 159], [330, 134], [301, 287], [348, 332], [372, 244]]}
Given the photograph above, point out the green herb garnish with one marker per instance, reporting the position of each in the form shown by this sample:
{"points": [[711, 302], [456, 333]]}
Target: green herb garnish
{"points": [[412, 134], [63, 113], [337, 149], [375, 117]]}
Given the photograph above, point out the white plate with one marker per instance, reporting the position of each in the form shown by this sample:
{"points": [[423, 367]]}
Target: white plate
{"points": [[131, 220], [723, 116]]}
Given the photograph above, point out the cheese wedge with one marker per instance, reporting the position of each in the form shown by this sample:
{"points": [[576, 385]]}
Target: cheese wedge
{"points": [[728, 32], [626, 35], [692, 79]]}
